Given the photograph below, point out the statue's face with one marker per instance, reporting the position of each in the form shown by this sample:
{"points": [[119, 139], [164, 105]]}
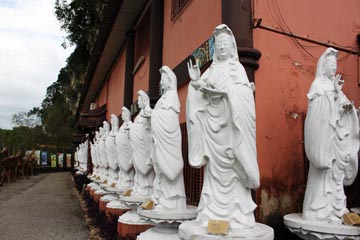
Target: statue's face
{"points": [[223, 46], [165, 82], [330, 66], [141, 102], [124, 115]]}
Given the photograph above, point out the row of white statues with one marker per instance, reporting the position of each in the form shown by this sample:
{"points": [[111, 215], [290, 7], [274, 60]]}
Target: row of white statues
{"points": [[81, 156], [145, 154], [220, 115], [112, 154]]}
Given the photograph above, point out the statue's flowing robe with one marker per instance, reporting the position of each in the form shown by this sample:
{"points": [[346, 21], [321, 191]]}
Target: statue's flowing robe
{"points": [[331, 145], [98, 157], [140, 140], [112, 155], [221, 133], [124, 151], [169, 190], [103, 157]]}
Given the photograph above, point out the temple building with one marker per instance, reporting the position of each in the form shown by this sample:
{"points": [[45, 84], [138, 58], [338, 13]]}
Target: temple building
{"points": [[278, 42]]}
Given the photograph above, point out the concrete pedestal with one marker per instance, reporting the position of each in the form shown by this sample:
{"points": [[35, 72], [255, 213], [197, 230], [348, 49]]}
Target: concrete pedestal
{"points": [[92, 193], [118, 190], [104, 200], [130, 225], [166, 222], [190, 230], [113, 210], [161, 232], [310, 230], [98, 194]]}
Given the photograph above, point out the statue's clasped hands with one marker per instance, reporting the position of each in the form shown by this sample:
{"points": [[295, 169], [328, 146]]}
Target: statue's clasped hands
{"points": [[346, 107]]}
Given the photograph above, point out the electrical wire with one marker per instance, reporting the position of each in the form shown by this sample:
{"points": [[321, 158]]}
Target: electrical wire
{"points": [[296, 41]]}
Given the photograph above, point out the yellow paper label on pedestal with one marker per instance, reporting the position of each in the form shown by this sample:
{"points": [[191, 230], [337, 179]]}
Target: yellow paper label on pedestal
{"points": [[351, 219], [147, 205], [218, 227], [127, 193]]}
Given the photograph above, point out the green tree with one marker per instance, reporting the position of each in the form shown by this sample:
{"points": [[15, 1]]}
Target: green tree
{"points": [[27, 119], [57, 121], [22, 138], [80, 19]]}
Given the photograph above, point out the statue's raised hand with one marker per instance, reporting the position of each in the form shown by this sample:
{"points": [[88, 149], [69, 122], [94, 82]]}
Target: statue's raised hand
{"points": [[194, 70], [338, 83]]}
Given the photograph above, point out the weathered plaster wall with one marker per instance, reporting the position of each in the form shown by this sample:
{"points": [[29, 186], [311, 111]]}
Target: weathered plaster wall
{"points": [[102, 97], [116, 87], [141, 78]]}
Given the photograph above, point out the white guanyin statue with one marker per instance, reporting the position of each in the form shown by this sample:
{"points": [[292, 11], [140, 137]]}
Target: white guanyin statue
{"points": [[221, 128], [111, 149], [103, 152], [93, 154], [140, 135], [82, 155], [124, 151], [92, 158], [77, 153], [79, 156], [76, 157], [98, 154], [331, 143], [168, 189], [166, 156], [85, 155]]}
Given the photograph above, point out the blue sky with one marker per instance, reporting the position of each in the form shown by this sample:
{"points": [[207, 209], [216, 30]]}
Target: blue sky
{"points": [[30, 54], [9, 3]]}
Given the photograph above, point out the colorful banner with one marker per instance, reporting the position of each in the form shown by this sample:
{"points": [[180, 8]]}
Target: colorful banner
{"points": [[53, 160], [60, 160], [37, 157], [68, 160], [44, 158]]}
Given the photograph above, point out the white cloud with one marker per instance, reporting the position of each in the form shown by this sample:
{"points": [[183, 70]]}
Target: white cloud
{"points": [[30, 54]]}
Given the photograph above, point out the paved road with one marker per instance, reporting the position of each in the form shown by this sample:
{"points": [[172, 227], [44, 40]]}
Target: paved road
{"points": [[43, 207]]}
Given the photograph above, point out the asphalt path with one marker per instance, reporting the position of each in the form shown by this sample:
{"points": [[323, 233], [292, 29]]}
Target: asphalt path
{"points": [[42, 207]]}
